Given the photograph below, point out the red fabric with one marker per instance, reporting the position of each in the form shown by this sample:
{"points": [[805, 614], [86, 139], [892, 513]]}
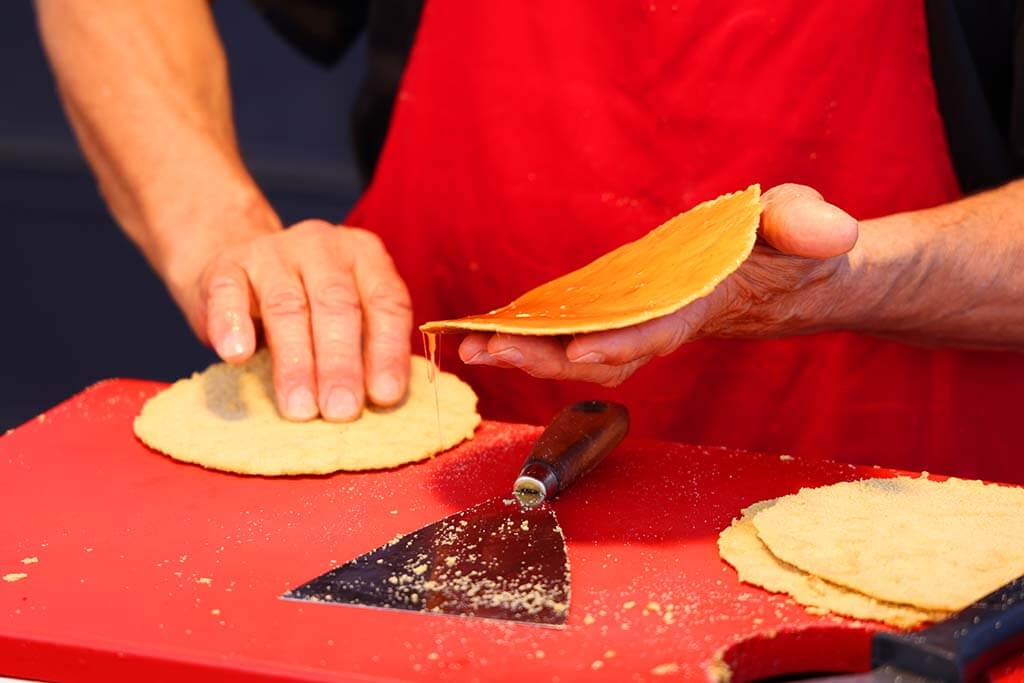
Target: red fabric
{"points": [[530, 138]]}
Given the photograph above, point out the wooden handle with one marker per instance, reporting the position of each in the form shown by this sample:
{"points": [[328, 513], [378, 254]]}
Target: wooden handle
{"points": [[577, 439], [963, 646]]}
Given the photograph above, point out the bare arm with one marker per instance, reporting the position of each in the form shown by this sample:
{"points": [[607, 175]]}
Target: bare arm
{"points": [[145, 85], [951, 275]]}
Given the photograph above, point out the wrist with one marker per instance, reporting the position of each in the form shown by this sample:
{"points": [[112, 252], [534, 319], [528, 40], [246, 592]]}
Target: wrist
{"points": [[876, 290], [192, 234]]}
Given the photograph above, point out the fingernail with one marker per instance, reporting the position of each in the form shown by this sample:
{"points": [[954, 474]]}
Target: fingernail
{"points": [[481, 358], [386, 388], [341, 404], [511, 355], [301, 404], [592, 357], [232, 344]]}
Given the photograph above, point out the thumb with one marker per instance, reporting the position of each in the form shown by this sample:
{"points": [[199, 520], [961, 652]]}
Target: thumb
{"points": [[796, 220]]}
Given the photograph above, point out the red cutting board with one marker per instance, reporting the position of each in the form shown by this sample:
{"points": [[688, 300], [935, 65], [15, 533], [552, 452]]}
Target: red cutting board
{"points": [[150, 569]]}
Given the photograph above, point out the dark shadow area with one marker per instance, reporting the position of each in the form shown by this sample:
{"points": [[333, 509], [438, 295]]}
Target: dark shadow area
{"points": [[79, 303]]}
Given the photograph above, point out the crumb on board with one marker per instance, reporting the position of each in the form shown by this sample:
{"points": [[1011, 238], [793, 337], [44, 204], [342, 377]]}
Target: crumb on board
{"points": [[17, 576], [588, 619], [609, 654], [206, 580], [630, 604], [596, 664], [30, 560], [666, 669], [215, 612], [785, 457]]}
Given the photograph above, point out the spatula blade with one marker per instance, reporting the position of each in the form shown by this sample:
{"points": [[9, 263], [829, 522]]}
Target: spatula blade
{"points": [[495, 560]]}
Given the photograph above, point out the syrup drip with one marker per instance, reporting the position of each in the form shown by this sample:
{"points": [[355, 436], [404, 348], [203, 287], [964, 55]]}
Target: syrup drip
{"points": [[430, 352]]}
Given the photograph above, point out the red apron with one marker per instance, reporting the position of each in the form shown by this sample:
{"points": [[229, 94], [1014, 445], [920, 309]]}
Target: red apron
{"points": [[528, 138]]}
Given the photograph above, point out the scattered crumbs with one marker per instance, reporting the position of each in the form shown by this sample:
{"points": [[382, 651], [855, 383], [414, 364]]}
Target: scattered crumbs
{"points": [[419, 569], [525, 526], [394, 512], [88, 550], [588, 619], [393, 580], [450, 560], [30, 560], [417, 667], [539, 654], [596, 664], [785, 458], [215, 612], [654, 607], [609, 654], [629, 605], [625, 626], [666, 669], [668, 618], [204, 580], [432, 656], [380, 560], [11, 578], [41, 418]]}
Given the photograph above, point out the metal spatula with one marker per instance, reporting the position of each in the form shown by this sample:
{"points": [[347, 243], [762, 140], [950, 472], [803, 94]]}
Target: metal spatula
{"points": [[501, 559]]}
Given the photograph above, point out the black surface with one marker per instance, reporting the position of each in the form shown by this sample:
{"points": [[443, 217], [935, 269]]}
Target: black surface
{"points": [[962, 647], [79, 304]]}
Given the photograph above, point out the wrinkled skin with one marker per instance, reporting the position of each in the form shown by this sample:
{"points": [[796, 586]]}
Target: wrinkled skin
{"points": [[789, 285], [331, 306]]}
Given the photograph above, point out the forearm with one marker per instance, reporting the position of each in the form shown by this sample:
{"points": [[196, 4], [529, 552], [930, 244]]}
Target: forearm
{"points": [[952, 275], [145, 86]]}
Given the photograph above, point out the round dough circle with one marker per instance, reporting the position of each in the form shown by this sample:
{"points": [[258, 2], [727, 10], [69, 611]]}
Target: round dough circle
{"points": [[739, 545], [934, 545], [225, 418]]}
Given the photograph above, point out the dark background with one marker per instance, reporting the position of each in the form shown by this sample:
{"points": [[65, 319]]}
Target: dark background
{"points": [[79, 303]]}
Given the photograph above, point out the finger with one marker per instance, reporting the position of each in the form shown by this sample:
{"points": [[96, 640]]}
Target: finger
{"points": [[544, 357], [387, 312], [797, 220], [229, 324], [473, 351], [284, 311], [656, 337], [336, 320]]}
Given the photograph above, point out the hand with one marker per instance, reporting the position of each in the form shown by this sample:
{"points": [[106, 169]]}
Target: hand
{"points": [[787, 286], [334, 312]]}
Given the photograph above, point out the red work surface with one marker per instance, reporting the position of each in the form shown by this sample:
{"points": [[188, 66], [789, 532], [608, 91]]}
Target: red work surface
{"points": [[150, 568]]}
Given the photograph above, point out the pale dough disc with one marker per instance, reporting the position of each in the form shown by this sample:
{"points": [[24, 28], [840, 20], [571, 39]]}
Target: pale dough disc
{"points": [[934, 545], [225, 418], [671, 266], [739, 546]]}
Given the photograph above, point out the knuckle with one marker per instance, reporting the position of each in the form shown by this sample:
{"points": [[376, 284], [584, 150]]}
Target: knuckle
{"points": [[313, 226], [285, 303], [335, 298], [389, 297]]}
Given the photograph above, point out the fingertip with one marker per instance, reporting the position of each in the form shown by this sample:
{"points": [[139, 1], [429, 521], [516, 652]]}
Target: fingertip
{"points": [[805, 225], [235, 346], [387, 389], [341, 404], [472, 345], [298, 405]]}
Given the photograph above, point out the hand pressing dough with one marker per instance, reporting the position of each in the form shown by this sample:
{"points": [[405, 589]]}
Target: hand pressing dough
{"points": [[934, 545], [225, 418], [739, 546], [674, 264]]}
